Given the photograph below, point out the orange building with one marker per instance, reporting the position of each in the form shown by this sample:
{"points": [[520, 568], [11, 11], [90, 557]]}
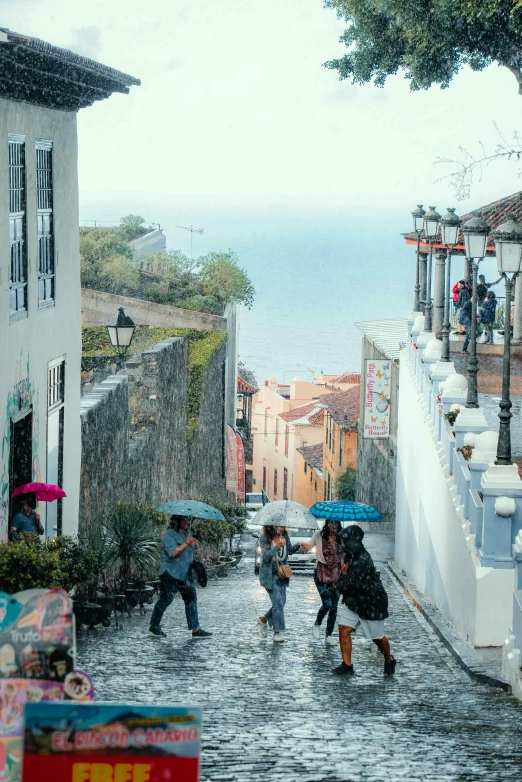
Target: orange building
{"points": [[310, 484], [340, 436]]}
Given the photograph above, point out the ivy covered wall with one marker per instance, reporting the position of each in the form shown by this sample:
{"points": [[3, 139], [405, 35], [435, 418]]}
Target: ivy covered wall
{"points": [[155, 433]]}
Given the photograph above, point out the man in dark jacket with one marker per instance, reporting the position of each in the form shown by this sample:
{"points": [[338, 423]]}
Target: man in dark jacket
{"points": [[364, 602]]}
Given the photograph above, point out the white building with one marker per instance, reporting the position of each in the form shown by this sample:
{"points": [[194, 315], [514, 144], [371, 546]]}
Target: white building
{"points": [[41, 89]]}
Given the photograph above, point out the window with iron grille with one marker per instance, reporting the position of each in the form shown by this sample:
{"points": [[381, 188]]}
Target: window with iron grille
{"points": [[17, 228], [44, 217], [287, 437], [277, 432], [341, 438], [285, 483], [264, 478], [275, 483], [55, 384]]}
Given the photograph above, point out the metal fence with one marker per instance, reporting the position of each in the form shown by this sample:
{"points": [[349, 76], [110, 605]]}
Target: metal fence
{"points": [[499, 315]]}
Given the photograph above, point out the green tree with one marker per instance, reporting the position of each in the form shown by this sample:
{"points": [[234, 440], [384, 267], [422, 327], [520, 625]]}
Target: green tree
{"points": [[346, 485], [97, 246], [222, 277], [119, 275], [430, 40], [132, 226]]}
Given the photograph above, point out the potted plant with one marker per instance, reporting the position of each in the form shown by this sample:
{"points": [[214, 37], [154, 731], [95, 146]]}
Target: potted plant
{"points": [[466, 451], [451, 416]]}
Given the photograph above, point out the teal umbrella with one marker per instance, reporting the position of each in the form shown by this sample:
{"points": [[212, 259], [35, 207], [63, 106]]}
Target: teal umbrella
{"points": [[197, 510]]}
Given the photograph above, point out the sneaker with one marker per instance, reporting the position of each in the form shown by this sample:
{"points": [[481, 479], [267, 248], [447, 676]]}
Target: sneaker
{"points": [[343, 670], [279, 638], [331, 640], [463, 351], [389, 668], [157, 631], [316, 632], [263, 627], [199, 633]]}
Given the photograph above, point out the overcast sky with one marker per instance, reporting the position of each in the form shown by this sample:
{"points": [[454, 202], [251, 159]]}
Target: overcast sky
{"points": [[234, 105]]}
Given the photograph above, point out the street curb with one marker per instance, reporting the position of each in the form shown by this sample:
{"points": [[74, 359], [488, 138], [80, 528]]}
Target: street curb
{"points": [[461, 651]]}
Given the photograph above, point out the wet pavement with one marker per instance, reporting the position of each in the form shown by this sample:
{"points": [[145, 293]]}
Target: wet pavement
{"points": [[275, 712]]}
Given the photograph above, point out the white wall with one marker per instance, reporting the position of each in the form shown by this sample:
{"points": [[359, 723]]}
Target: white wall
{"points": [[432, 545], [26, 346]]}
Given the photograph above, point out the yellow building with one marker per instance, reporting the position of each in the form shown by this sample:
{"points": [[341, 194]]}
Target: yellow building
{"points": [[341, 414], [310, 484]]}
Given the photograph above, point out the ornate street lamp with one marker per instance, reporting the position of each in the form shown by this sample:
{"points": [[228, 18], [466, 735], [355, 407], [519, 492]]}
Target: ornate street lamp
{"points": [[121, 331], [418, 224], [449, 231], [431, 227], [508, 242], [476, 232]]}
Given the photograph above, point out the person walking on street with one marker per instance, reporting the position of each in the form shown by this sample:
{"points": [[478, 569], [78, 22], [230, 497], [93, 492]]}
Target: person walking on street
{"points": [[276, 547], [489, 309], [178, 552], [364, 602], [327, 572], [26, 520]]}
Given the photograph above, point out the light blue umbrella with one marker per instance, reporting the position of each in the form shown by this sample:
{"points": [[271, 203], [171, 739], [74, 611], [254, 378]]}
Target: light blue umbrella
{"points": [[196, 510], [345, 510]]}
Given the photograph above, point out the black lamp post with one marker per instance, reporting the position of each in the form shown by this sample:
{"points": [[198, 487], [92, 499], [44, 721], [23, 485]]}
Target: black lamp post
{"points": [[508, 242], [449, 231], [121, 331], [476, 232], [431, 227], [418, 224]]}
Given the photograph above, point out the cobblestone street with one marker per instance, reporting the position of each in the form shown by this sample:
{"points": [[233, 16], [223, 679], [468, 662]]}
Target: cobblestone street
{"points": [[275, 712]]}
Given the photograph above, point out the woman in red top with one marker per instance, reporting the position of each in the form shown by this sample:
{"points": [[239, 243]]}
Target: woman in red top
{"points": [[327, 572]]}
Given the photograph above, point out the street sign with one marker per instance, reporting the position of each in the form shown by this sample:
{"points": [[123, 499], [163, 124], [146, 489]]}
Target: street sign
{"points": [[106, 742], [377, 398]]}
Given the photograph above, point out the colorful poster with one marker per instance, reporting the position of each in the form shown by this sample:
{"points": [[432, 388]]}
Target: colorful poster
{"points": [[377, 397], [100, 742], [240, 469], [37, 651], [231, 461]]}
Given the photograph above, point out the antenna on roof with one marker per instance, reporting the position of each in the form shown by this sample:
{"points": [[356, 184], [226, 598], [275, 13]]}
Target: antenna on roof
{"points": [[192, 231]]}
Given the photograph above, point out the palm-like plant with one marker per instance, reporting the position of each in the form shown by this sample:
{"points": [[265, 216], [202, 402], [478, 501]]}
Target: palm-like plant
{"points": [[133, 538]]}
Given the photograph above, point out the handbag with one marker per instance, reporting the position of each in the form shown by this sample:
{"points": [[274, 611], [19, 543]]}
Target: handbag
{"points": [[284, 572]]}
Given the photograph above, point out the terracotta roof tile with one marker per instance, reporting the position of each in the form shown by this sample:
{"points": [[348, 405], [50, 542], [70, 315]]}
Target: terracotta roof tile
{"points": [[244, 387], [298, 412], [313, 455], [343, 406], [348, 377]]}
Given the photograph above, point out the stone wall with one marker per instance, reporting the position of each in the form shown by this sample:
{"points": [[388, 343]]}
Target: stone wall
{"points": [[134, 433], [377, 459], [98, 307]]}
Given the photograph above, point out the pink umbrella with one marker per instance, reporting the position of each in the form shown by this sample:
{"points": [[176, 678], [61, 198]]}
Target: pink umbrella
{"points": [[44, 492]]}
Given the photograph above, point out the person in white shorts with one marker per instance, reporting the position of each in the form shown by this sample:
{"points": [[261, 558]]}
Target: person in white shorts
{"points": [[364, 602]]}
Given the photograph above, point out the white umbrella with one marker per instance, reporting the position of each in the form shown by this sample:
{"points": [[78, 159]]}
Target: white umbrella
{"points": [[285, 513]]}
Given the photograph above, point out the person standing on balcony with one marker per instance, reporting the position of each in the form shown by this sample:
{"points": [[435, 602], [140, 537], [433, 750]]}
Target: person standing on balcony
{"points": [[327, 572], [483, 287], [178, 552], [489, 309]]}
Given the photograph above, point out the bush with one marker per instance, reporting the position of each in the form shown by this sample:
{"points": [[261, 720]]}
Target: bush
{"points": [[346, 485], [213, 534], [29, 564], [133, 535]]}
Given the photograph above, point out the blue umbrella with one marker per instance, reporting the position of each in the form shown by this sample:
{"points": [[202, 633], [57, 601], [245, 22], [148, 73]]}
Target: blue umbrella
{"points": [[197, 510], [345, 510]]}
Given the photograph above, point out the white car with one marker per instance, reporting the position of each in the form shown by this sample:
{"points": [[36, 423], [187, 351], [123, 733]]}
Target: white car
{"points": [[300, 562], [254, 500]]}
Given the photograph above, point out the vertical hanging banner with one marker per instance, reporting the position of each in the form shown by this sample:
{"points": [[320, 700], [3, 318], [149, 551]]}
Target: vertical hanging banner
{"points": [[102, 742], [240, 469], [377, 397], [231, 461]]}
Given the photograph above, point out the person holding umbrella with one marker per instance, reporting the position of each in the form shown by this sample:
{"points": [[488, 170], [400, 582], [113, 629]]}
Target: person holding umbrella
{"points": [[178, 549], [275, 549], [327, 572], [364, 602], [26, 520]]}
